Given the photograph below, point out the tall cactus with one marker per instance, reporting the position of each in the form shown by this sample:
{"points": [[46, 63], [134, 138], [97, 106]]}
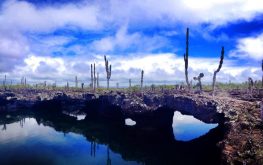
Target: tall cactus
{"points": [[94, 77], [76, 81], [142, 79], [186, 58], [4, 83], [91, 76], [262, 74], [97, 79], [22, 81], [108, 71], [130, 83], [218, 69]]}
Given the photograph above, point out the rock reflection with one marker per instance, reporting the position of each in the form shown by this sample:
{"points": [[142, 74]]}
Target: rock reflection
{"points": [[118, 143]]}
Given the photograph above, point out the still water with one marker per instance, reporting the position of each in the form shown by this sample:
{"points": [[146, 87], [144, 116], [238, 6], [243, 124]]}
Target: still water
{"points": [[34, 140], [30, 143], [186, 127]]}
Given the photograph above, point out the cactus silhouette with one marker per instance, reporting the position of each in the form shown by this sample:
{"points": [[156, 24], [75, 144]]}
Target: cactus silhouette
{"points": [[97, 79], [4, 83], [76, 81], [218, 69], [22, 81], [250, 85], [142, 79], [91, 76], [108, 71], [186, 58], [94, 77], [198, 78], [108, 156]]}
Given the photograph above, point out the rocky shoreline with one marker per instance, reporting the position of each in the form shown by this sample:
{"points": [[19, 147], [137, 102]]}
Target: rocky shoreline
{"points": [[243, 139]]}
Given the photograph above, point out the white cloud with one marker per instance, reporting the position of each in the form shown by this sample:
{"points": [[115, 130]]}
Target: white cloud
{"points": [[249, 47], [51, 41], [19, 19], [158, 68], [25, 16], [167, 12], [122, 40], [13, 49], [95, 15]]}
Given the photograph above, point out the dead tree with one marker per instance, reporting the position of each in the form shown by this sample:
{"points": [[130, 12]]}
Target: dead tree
{"points": [[186, 58], [108, 71], [82, 86], [91, 76], [142, 79], [199, 83], [218, 69]]}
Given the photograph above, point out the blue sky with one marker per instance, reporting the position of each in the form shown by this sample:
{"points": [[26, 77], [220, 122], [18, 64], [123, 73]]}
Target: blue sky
{"points": [[58, 40]]}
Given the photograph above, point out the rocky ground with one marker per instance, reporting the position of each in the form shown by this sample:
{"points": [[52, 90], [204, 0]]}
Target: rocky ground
{"points": [[237, 110]]}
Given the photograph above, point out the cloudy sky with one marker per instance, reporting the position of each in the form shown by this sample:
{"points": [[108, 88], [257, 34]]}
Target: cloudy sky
{"points": [[56, 40]]}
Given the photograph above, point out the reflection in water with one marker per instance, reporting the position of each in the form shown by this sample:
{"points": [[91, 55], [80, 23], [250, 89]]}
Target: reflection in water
{"points": [[81, 117], [93, 148], [108, 156], [44, 138], [26, 142], [187, 127], [78, 116], [130, 122]]}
